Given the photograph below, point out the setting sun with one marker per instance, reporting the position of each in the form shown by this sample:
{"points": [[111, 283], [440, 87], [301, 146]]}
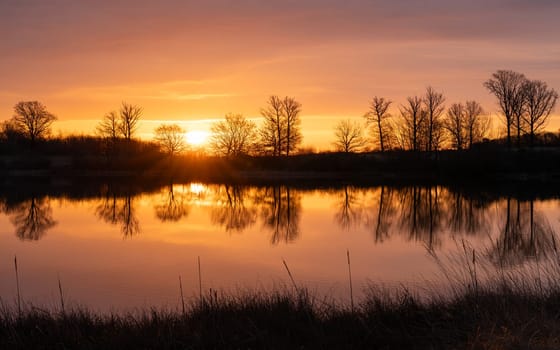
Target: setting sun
{"points": [[196, 137]]}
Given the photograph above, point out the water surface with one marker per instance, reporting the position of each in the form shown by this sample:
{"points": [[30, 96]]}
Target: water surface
{"points": [[118, 249]]}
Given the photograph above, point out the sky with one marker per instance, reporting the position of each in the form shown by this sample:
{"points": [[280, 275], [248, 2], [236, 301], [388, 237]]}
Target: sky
{"points": [[191, 62]]}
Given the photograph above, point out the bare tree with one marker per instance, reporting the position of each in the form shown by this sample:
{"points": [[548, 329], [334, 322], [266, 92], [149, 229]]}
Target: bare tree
{"points": [[507, 85], [109, 127], [539, 101], [234, 136], [454, 123], [280, 133], [292, 109], [378, 116], [412, 123], [32, 119], [272, 133], [476, 124], [348, 136], [171, 138], [434, 107], [129, 118]]}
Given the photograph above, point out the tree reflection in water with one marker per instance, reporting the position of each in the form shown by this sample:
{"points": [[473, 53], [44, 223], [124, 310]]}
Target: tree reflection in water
{"points": [[349, 209], [421, 215], [465, 215], [119, 211], [524, 235], [381, 215], [172, 206], [32, 218], [280, 209], [230, 210]]}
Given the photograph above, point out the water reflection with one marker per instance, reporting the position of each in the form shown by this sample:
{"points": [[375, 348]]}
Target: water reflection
{"points": [[231, 209], [121, 211], [427, 215], [524, 234], [32, 218], [379, 217], [280, 210], [172, 205], [466, 215], [349, 208]]}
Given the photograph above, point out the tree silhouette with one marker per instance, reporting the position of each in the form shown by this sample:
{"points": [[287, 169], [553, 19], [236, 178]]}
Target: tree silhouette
{"points": [[348, 136], [539, 101], [32, 119], [32, 218], [280, 133], [434, 108], [129, 117], [292, 109], [413, 120], [109, 126], [170, 138], [272, 133], [476, 124], [507, 86], [454, 123], [233, 136], [378, 117]]}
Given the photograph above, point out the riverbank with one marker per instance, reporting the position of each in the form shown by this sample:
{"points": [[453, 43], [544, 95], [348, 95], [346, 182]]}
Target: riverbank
{"points": [[480, 165], [498, 317]]}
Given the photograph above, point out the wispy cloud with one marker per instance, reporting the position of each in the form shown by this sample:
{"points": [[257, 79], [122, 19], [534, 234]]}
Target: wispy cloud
{"points": [[170, 90]]}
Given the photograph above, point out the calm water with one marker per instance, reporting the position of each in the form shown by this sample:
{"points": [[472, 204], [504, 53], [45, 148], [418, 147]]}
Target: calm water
{"points": [[119, 250]]}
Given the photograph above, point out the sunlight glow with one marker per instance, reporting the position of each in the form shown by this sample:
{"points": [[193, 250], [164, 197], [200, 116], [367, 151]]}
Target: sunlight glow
{"points": [[197, 188], [196, 137]]}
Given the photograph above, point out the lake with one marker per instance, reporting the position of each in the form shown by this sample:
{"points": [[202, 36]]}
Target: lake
{"points": [[115, 248]]}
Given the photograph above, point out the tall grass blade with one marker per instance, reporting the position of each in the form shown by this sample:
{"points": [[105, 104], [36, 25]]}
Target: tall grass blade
{"points": [[182, 298], [17, 286], [199, 280], [350, 280], [290, 274], [61, 295]]}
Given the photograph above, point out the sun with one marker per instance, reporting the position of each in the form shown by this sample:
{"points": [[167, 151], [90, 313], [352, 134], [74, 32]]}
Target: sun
{"points": [[197, 137]]}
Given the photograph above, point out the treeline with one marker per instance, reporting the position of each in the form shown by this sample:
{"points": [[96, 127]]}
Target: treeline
{"points": [[422, 124]]}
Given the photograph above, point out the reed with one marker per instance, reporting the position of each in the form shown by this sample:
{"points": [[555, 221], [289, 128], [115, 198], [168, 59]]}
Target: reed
{"points": [[513, 318], [290, 275], [182, 297], [61, 296], [350, 281], [17, 285]]}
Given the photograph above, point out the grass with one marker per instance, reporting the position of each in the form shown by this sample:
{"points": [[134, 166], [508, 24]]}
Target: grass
{"points": [[502, 315], [484, 306]]}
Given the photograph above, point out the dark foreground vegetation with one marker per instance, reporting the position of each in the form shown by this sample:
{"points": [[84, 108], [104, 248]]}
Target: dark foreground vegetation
{"points": [[500, 317]]}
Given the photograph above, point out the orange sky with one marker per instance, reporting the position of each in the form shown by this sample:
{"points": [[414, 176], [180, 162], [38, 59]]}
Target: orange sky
{"points": [[196, 61]]}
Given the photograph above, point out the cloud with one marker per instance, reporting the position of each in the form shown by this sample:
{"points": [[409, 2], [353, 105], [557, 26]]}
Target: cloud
{"points": [[170, 90]]}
